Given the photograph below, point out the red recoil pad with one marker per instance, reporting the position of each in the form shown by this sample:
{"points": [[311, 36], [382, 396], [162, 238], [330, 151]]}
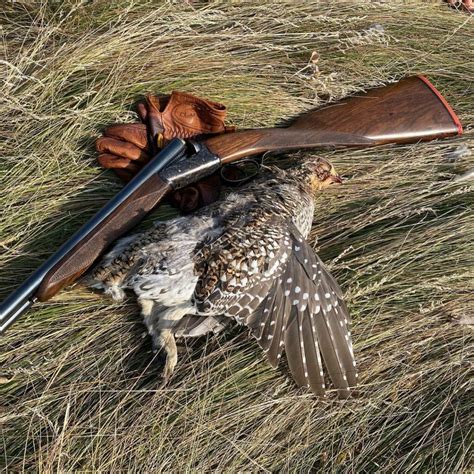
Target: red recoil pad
{"points": [[444, 102]]}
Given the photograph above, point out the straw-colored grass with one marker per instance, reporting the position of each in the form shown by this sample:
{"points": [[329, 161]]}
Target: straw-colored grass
{"points": [[78, 382]]}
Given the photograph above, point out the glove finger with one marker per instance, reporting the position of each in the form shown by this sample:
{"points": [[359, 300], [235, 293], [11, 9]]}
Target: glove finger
{"points": [[119, 148], [142, 112], [209, 189], [124, 175], [186, 199], [155, 106], [113, 162], [135, 133]]}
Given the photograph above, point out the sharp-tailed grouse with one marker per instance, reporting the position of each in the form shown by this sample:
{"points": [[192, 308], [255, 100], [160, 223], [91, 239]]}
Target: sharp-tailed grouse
{"points": [[243, 259]]}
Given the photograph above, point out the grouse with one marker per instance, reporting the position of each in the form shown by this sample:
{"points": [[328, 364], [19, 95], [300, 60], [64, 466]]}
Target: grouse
{"points": [[243, 259]]}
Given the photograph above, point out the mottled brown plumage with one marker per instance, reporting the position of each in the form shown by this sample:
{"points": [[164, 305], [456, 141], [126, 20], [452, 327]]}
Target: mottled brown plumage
{"points": [[244, 258]]}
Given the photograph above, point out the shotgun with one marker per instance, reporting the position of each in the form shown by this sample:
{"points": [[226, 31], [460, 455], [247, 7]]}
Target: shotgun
{"points": [[406, 112]]}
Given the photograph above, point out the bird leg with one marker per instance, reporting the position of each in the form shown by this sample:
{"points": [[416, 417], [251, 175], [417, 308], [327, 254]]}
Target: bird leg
{"points": [[160, 320], [165, 340]]}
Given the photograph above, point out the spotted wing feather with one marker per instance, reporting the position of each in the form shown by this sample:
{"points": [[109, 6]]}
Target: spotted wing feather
{"points": [[304, 314], [237, 270], [263, 273]]}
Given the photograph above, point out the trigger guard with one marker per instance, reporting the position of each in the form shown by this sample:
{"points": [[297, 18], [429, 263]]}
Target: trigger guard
{"points": [[256, 162]]}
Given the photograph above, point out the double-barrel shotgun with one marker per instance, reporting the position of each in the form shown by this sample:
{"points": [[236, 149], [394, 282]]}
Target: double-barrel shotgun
{"points": [[405, 112]]}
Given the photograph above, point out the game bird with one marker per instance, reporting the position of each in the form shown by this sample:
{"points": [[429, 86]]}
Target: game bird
{"points": [[243, 259]]}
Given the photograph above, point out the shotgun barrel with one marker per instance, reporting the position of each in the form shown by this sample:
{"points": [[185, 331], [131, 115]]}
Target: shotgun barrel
{"points": [[22, 298]]}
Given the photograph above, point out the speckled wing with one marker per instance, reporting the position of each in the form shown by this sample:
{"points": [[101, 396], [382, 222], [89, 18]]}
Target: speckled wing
{"points": [[304, 315], [265, 275], [238, 269]]}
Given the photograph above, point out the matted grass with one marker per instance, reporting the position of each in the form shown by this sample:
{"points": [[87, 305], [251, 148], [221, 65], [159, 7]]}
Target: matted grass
{"points": [[78, 382]]}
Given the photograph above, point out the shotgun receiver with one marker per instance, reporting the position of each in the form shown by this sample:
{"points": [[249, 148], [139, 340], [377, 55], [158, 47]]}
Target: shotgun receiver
{"points": [[408, 111]]}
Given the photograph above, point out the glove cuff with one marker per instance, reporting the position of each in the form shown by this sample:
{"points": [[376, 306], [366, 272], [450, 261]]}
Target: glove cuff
{"points": [[183, 115]]}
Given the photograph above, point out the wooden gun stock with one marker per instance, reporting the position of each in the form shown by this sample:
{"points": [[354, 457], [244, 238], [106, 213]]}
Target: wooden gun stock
{"points": [[408, 111]]}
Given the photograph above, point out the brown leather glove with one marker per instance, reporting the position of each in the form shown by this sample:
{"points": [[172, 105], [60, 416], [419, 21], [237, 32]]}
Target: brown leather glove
{"points": [[125, 148], [467, 5], [181, 115]]}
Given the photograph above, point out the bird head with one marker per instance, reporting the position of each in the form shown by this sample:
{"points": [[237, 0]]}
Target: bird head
{"points": [[321, 174]]}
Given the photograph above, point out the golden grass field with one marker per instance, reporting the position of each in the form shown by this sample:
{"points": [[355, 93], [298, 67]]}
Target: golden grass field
{"points": [[78, 383]]}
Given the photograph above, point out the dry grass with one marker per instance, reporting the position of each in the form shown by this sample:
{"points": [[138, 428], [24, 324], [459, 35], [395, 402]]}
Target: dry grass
{"points": [[78, 381]]}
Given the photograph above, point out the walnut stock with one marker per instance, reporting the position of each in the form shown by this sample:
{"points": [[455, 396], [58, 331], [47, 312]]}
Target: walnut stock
{"points": [[409, 111]]}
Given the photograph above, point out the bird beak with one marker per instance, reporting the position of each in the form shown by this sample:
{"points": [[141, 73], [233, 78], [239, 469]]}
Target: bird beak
{"points": [[335, 179]]}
